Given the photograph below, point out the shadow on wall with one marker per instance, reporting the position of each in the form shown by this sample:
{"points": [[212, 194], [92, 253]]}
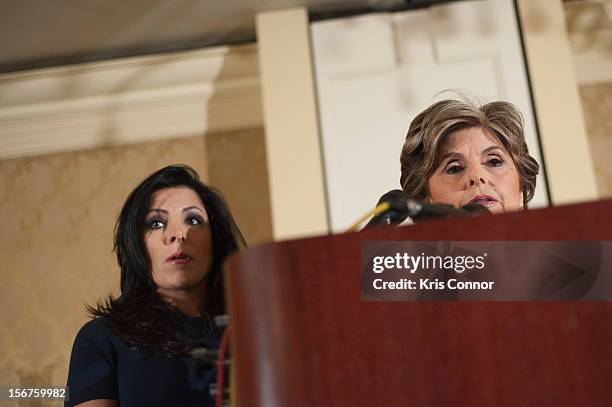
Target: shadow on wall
{"points": [[597, 108], [236, 158], [593, 26], [589, 28]]}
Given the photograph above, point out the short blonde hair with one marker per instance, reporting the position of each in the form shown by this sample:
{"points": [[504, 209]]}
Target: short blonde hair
{"points": [[431, 128]]}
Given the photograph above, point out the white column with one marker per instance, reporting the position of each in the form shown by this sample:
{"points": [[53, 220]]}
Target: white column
{"points": [[563, 135], [290, 118]]}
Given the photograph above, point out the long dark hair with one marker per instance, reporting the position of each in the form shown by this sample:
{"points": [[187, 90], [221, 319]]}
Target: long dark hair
{"points": [[139, 315]]}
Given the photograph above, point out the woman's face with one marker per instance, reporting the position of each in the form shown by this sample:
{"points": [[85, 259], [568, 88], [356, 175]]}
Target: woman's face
{"points": [[476, 168], [178, 240]]}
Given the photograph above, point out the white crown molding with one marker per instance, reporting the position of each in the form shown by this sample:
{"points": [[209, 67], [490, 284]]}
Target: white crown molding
{"points": [[129, 100]]}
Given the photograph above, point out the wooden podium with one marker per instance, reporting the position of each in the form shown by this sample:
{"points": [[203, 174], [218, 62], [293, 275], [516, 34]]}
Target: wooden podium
{"points": [[302, 336]]}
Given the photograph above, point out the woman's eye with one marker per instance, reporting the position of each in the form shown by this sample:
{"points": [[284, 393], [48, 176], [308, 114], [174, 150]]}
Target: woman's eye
{"points": [[155, 224], [194, 220], [495, 162], [454, 169]]}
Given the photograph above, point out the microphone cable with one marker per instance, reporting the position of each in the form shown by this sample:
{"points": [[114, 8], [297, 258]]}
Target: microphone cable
{"points": [[380, 208]]}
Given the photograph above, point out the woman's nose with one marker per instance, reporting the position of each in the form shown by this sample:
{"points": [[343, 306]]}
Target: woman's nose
{"points": [[476, 176], [476, 181], [175, 235]]}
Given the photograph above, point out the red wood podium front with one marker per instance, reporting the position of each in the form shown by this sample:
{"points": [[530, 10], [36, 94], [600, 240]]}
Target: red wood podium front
{"points": [[302, 336]]}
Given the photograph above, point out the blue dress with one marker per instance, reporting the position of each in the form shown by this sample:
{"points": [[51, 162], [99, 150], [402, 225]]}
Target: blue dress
{"points": [[103, 366]]}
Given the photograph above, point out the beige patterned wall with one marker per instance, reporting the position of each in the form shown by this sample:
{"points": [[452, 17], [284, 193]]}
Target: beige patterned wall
{"points": [[589, 28], [597, 107], [58, 213], [237, 167]]}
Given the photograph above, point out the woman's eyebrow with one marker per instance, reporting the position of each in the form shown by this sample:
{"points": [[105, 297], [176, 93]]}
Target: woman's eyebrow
{"points": [[157, 210], [451, 154], [184, 209], [492, 148], [193, 207]]}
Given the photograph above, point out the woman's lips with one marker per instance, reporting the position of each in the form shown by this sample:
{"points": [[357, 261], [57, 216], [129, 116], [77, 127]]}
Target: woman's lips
{"points": [[484, 200], [179, 258]]}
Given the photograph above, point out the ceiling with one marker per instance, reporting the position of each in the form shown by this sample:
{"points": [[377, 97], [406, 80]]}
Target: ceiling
{"points": [[41, 33]]}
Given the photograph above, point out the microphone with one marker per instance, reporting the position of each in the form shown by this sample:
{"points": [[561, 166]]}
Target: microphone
{"points": [[397, 211], [418, 210], [402, 207]]}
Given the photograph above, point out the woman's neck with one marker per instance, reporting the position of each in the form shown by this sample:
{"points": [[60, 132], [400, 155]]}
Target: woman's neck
{"points": [[188, 302]]}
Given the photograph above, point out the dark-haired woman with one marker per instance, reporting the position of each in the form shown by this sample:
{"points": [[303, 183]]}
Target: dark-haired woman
{"points": [[171, 238]]}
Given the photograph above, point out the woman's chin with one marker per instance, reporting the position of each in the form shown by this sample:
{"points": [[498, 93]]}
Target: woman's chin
{"points": [[498, 207], [493, 207]]}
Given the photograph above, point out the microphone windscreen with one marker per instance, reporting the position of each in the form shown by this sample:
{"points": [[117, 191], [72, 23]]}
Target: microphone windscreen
{"points": [[397, 200]]}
